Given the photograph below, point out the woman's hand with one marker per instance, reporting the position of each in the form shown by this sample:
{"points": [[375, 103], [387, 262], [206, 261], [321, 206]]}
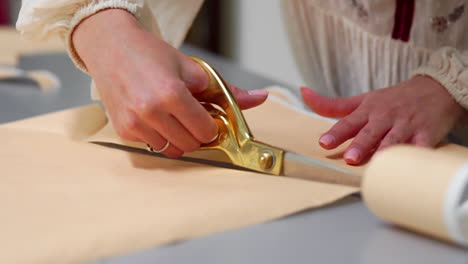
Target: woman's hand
{"points": [[147, 86], [419, 111]]}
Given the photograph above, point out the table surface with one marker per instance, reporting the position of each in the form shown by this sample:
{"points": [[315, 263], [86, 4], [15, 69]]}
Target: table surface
{"points": [[342, 233]]}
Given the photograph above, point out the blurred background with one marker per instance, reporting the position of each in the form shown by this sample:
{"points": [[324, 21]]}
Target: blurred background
{"points": [[249, 33]]}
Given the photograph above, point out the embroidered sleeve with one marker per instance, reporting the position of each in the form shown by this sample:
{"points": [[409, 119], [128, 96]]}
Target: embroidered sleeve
{"points": [[45, 18], [169, 19], [449, 67]]}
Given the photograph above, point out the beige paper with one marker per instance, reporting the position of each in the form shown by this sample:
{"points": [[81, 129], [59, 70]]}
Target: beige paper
{"points": [[277, 122], [413, 188], [65, 200]]}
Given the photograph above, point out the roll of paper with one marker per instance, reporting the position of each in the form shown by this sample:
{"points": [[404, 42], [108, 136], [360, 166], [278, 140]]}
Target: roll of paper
{"points": [[421, 189]]}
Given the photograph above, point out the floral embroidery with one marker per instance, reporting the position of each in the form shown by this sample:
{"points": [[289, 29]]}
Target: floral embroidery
{"points": [[361, 10], [441, 23]]}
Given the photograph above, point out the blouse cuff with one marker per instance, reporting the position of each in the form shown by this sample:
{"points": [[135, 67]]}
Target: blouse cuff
{"points": [[449, 67], [88, 10]]}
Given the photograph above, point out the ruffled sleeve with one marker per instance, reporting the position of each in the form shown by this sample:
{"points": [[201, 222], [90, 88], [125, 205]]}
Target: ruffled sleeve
{"points": [[449, 67], [170, 19]]}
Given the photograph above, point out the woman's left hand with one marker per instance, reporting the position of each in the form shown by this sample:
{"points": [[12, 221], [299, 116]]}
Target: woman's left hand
{"points": [[419, 111]]}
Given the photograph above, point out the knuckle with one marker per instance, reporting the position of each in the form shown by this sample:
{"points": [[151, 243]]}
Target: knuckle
{"points": [[190, 147], [357, 144], [173, 83], [390, 113], [346, 128], [171, 99], [198, 81], [173, 152], [124, 134], [374, 132], [168, 95], [360, 143], [368, 132], [424, 140], [127, 128], [346, 123], [393, 139], [171, 88], [365, 142], [147, 106], [207, 135], [404, 123], [132, 124], [341, 128]]}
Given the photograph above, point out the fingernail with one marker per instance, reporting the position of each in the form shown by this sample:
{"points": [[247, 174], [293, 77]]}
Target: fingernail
{"points": [[327, 140], [353, 155], [259, 92]]}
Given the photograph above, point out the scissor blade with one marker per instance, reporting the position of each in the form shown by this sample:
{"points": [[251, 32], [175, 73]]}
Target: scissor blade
{"points": [[298, 166]]}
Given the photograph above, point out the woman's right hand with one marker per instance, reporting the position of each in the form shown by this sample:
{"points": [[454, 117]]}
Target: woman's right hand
{"points": [[147, 86]]}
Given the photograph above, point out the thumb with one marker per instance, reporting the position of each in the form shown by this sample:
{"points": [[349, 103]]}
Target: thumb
{"points": [[330, 107], [195, 77]]}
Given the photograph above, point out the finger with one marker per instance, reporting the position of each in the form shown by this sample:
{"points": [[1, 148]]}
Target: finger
{"points": [[131, 128], [194, 117], [330, 107], [399, 134], [343, 130], [366, 141], [422, 139], [157, 142], [171, 151], [248, 99], [172, 130], [194, 76], [126, 125]]}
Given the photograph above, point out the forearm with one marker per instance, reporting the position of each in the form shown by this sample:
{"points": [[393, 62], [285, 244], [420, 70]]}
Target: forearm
{"points": [[102, 35]]}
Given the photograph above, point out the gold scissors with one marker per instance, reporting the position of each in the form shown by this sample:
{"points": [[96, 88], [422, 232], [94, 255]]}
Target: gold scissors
{"points": [[236, 140]]}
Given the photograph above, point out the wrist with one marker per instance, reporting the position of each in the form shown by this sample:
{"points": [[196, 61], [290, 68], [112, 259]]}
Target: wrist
{"points": [[98, 33], [456, 109]]}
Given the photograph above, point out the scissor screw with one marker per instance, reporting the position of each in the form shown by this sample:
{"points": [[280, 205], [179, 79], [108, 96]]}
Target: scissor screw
{"points": [[266, 160]]}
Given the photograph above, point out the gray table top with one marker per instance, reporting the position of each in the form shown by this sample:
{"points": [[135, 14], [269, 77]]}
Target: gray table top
{"points": [[342, 233]]}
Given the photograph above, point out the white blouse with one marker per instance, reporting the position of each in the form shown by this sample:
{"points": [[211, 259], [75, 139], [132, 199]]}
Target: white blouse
{"points": [[342, 47]]}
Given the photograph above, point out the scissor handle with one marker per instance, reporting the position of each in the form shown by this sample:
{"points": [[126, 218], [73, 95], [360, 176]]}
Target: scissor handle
{"points": [[218, 93], [235, 138]]}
